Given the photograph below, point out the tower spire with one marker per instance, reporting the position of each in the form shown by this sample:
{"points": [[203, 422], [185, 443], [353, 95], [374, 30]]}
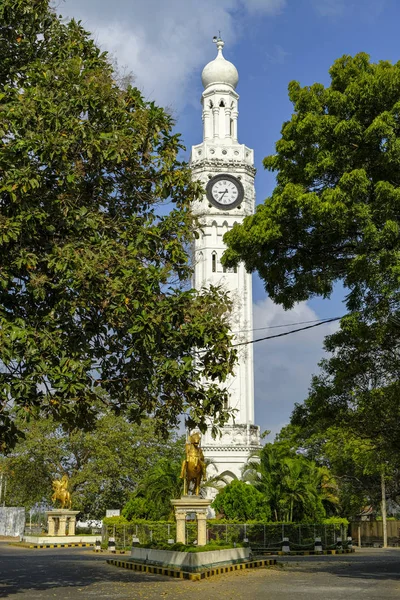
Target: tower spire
{"points": [[220, 44], [219, 99]]}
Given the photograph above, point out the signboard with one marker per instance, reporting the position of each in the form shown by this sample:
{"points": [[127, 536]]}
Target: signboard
{"points": [[114, 512]]}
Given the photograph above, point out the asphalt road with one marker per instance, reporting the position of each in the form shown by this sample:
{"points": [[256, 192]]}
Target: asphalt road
{"points": [[80, 573]]}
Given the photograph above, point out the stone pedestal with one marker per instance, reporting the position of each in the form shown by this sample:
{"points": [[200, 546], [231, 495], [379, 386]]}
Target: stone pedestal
{"points": [[59, 521], [62, 525], [51, 525], [180, 526], [191, 504], [72, 526]]}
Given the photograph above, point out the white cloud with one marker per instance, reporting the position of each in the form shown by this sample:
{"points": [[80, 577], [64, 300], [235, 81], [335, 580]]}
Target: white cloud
{"points": [[165, 43], [283, 366]]}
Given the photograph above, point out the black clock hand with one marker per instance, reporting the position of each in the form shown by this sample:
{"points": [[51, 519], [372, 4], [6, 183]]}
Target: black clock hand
{"points": [[225, 192]]}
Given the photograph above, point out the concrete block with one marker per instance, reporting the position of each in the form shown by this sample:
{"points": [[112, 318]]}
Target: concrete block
{"points": [[12, 521], [190, 561]]}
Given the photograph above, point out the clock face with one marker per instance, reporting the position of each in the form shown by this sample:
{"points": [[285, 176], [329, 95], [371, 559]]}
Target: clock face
{"points": [[225, 191]]}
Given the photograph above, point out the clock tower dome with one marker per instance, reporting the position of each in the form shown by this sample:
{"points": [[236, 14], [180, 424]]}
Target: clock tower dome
{"points": [[226, 170]]}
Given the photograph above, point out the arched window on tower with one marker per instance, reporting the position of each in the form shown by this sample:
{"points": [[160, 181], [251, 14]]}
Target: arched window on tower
{"points": [[222, 103], [214, 262], [210, 104], [231, 127]]}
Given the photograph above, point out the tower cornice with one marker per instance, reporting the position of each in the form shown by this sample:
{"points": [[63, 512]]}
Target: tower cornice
{"points": [[216, 165]]}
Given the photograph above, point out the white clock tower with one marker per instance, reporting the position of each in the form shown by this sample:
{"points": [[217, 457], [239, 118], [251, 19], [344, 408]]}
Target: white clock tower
{"points": [[226, 170]]}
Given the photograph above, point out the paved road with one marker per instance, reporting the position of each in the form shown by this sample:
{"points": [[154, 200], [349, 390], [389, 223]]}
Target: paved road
{"points": [[80, 573]]}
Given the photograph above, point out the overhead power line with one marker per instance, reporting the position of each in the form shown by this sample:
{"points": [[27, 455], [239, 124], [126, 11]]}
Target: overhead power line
{"points": [[271, 337], [279, 326]]}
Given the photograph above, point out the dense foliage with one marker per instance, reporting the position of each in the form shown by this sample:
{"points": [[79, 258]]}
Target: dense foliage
{"points": [[95, 308], [334, 217], [334, 214], [161, 482], [358, 388], [241, 502], [358, 465], [105, 466], [295, 487]]}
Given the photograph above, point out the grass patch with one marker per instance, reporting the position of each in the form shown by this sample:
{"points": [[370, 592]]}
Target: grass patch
{"points": [[183, 548]]}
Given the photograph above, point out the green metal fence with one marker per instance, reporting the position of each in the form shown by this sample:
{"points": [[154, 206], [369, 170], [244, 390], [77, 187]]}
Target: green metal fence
{"points": [[301, 537]]}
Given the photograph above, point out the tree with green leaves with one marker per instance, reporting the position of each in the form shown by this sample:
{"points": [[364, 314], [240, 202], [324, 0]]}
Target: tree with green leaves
{"points": [[95, 308], [295, 487], [358, 387], [333, 215], [105, 466], [357, 395], [242, 502], [152, 499], [367, 477]]}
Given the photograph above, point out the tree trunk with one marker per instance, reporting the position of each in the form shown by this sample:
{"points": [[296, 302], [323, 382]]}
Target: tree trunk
{"points": [[384, 521]]}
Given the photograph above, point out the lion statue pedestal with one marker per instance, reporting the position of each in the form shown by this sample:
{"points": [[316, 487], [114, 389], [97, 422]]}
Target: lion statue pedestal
{"points": [[191, 504], [61, 522]]}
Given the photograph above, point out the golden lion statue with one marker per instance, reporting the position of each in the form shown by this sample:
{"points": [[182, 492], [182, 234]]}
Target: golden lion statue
{"points": [[61, 492], [193, 466]]}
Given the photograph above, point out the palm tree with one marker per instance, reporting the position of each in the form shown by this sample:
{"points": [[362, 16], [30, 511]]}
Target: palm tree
{"points": [[161, 484], [263, 470], [294, 486], [298, 491], [328, 488], [215, 482]]}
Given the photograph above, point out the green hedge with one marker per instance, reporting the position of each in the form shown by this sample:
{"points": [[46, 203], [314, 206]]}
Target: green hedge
{"points": [[123, 521], [184, 548], [336, 521]]}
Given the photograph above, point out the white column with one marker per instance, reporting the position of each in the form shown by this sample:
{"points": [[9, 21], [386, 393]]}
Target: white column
{"points": [[207, 129], [180, 526], [51, 525], [201, 528], [227, 122], [72, 525], [216, 121], [63, 526], [235, 117]]}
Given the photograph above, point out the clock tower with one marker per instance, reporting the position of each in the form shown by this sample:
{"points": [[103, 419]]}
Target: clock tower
{"points": [[226, 169]]}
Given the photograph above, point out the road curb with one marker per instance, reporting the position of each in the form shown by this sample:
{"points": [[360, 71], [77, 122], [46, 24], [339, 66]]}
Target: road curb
{"points": [[304, 552], [177, 573], [38, 546]]}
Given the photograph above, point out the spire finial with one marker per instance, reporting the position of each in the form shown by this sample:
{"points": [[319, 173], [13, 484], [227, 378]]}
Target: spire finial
{"points": [[219, 42]]}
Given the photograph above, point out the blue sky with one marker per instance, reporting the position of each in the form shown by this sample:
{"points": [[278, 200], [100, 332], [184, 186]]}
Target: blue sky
{"points": [[166, 43]]}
